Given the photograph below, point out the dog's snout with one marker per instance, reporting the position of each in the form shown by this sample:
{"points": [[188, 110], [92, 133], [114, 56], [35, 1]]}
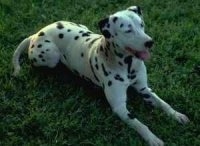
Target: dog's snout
{"points": [[149, 44]]}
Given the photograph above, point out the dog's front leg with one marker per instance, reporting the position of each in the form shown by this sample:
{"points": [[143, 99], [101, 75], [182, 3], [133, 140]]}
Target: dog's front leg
{"points": [[116, 96], [151, 97]]}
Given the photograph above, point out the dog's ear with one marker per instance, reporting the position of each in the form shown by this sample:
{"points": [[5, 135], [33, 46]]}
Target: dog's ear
{"points": [[136, 9], [102, 23], [104, 26]]}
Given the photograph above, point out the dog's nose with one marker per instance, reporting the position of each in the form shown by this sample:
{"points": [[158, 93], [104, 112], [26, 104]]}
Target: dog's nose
{"points": [[149, 44]]}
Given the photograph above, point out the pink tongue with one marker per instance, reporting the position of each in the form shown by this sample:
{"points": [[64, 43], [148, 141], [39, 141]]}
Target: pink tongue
{"points": [[144, 55]]}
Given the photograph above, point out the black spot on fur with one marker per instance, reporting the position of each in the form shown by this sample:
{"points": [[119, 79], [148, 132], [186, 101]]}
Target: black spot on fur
{"points": [[113, 44], [133, 71], [118, 77], [121, 25], [40, 56], [128, 60], [128, 31], [103, 86], [42, 52], [47, 50], [108, 45], [32, 46], [120, 63], [82, 55], [47, 41], [60, 25], [107, 48], [89, 45], [68, 30], [101, 48], [96, 59], [85, 34], [41, 33], [143, 89], [87, 39], [43, 60], [109, 83], [120, 55], [131, 76], [65, 57], [135, 83], [96, 66], [108, 25], [76, 37], [104, 70], [106, 33], [93, 70], [61, 35], [131, 116], [146, 95], [81, 31], [39, 46], [115, 19]]}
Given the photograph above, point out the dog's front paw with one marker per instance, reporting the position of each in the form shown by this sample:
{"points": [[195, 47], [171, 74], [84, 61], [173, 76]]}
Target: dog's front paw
{"points": [[155, 141], [181, 118]]}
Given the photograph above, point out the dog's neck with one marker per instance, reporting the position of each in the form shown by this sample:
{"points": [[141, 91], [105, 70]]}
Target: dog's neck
{"points": [[111, 53]]}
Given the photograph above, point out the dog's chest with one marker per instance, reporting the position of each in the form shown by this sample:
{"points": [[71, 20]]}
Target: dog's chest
{"points": [[111, 74]]}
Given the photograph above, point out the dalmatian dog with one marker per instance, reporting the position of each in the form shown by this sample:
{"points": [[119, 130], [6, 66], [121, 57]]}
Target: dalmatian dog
{"points": [[113, 61]]}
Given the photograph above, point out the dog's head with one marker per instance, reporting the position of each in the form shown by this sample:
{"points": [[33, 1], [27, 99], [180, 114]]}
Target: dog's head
{"points": [[126, 29]]}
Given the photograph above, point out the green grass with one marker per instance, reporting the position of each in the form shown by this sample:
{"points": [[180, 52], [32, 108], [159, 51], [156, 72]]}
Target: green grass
{"points": [[50, 108]]}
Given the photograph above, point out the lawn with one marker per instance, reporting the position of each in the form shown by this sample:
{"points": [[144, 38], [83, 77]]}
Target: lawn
{"points": [[53, 107]]}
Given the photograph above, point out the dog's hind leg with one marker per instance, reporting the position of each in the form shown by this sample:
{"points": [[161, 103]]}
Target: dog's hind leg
{"points": [[116, 96], [44, 53]]}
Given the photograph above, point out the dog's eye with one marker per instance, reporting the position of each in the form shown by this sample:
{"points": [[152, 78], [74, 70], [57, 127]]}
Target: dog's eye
{"points": [[129, 29]]}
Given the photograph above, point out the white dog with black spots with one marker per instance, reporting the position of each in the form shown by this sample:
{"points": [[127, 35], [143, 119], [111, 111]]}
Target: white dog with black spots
{"points": [[113, 61]]}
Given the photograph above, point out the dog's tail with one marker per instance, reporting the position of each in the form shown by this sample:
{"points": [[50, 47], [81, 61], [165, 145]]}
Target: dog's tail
{"points": [[15, 60]]}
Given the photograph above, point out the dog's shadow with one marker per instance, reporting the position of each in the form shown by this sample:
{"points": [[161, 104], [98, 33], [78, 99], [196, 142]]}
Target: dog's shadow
{"points": [[63, 75]]}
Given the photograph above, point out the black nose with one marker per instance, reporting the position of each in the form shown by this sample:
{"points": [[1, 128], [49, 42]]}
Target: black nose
{"points": [[149, 44]]}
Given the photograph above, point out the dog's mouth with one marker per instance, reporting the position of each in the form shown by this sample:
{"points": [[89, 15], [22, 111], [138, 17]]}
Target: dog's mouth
{"points": [[143, 55]]}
